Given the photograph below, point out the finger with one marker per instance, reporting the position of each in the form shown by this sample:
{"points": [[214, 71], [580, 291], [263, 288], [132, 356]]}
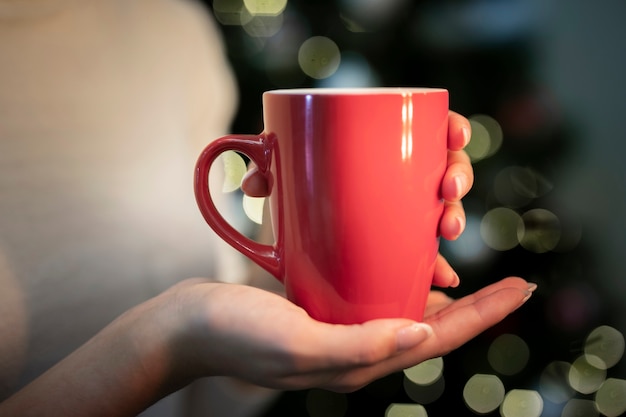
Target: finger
{"points": [[506, 283], [459, 131], [444, 275], [452, 326], [453, 221], [459, 176], [254, 184]]}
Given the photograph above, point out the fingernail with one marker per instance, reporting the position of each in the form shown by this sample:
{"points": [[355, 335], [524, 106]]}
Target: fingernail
{"points": [[528, 295], [412, 335], [460, 224], [466, 136], [532, 286], [455, 281], [460, 181]]}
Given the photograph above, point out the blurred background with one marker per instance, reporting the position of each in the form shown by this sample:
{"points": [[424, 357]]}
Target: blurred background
{"points": [[543, 83]]}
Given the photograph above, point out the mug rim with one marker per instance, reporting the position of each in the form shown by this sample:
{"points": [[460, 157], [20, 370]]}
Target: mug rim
{"points": [[355, 91]]}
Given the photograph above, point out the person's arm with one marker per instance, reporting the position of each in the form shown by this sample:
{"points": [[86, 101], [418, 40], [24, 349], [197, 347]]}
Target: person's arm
{"points": [[200, 328], [119, 372]]}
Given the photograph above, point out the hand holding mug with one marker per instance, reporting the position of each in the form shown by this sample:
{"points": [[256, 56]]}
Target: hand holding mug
{"points": [[355, 182]]}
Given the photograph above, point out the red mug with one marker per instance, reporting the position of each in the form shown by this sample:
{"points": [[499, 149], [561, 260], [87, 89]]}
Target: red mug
{"points": [[354, 178]]}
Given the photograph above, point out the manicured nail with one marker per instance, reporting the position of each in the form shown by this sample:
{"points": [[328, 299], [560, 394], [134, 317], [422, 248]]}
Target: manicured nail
{"points": [[466, 136], [455, 281], [460, 181], [532, 286], [412, 335], [460, 224]]}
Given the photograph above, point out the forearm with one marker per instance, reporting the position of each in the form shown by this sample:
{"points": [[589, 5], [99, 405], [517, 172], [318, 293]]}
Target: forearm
{"points": [[119, 372]]}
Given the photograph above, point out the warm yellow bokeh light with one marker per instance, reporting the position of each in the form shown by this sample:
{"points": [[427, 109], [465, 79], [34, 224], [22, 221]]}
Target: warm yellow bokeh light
{"points": [[584, 377], [577, 407], [319, 57], [425, 373], [486, 137], [483, 393], [231, 12], [611, 397], [405, 410], [522, 403], [265, 7], [508, 354], [253, 207], [541, 231], [499, 228], [234, 170], [604, 347]]}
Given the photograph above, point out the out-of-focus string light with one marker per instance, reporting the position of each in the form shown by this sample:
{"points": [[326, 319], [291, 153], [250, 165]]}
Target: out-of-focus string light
{"points": [[259, 18], [577, 407], [508, 354], [483, 393], [584, 377], [424, 382], [424, 394], [541, 231], [263, 26], [486, 137], [516, 186], [265, 7], [500, 228], [231, 12], [405, 410], [610, 398], [319, 57], [604, 347], [522, 403], [425, 373]]}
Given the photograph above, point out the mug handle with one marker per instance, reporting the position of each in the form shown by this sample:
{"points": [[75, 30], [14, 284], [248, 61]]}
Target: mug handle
{"points": [[259, 150]]}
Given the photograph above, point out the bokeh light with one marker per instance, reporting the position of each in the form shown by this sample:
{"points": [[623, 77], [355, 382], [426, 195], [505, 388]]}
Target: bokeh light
{"points": [[508, 354], [554, 382], [231, 12], [265, 7], [322, 403], [425, 373], [234, 170], [584, 377], [577, 407], [604, 347], [486, 137], [483, 393], [611, 397], [263, 26], [405, 410], [541, 231], [499, 228], [424, 394], [253, 207], [522, 403], [319, 57], [516, 186]]}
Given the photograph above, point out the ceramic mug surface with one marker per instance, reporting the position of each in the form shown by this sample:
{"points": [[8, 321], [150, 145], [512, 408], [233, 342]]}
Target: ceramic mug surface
{"points": [[354, 178]]}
